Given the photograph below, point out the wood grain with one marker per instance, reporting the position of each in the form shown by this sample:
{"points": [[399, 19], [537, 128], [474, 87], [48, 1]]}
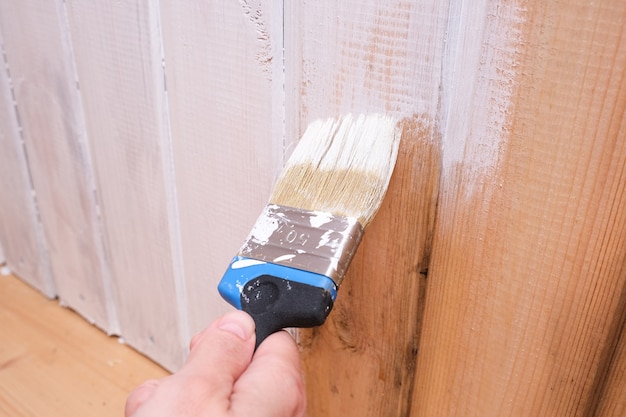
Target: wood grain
{"points": [[21, 233], [361, 362], [224, 83], [119, 61], [527, 280], [360, 57], [612, 401], [52, 128], [53, 363], [140, 140], [353, 57]]}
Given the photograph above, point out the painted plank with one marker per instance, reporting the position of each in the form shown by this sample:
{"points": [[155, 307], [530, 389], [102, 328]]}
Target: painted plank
{"points": [[119, 61], [223, 64], [49, 108], [21, 233], [612, 402], [526, 282], [353, 57]]}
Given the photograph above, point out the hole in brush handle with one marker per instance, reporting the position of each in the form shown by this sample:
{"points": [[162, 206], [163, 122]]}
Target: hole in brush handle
{"points": [[276, 303]]}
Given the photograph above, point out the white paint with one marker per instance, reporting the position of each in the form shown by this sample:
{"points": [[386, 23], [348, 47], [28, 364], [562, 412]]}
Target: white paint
{"points": [[21, 232], [171, 196], [326, 240], [119, 62], [96, 217], [363, 57], [225, 96], [284, 258], [482, 51], [5, 270], [264, 227], [365, 145], [320, 218], [246, 262], [375, 132]]}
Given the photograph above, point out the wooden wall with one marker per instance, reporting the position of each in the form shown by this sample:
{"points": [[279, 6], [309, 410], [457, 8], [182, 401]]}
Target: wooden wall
{"points": [[137, 152], [139, 140]]}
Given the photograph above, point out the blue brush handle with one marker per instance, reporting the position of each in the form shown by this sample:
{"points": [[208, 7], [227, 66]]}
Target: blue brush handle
{"points": [[277, 296]]}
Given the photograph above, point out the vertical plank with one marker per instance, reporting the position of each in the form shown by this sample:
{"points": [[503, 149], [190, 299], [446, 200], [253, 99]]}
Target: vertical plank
{"points": [[39, 57], [224, 83], [21, 234], [118, 53], [527, 279], [612, 402], [356, 56]]}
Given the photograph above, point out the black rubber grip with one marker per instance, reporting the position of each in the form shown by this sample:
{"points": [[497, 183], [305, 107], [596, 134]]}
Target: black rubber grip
{"points": [[276, 303]]}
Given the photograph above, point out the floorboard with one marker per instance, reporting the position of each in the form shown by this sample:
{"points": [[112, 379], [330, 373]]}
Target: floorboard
{"points": [[54, 363]]}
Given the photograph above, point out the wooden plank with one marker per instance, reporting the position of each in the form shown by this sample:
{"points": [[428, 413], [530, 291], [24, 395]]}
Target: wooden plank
{"points": [[39, 57], [119, 61], [224, 67], [526, 284], [368, 57], [21, 233], [360, 57], [612, 403], [67, 368]]}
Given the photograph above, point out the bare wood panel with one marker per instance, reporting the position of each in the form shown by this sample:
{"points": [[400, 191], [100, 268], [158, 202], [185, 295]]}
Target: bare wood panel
{"points": [[353, 57], [527, 281], [118, 54], [56, 364], [223, 64], [612, 402], [21, 234]]}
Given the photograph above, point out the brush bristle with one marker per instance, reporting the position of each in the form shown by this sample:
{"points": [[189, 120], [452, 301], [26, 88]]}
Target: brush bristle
{"points": [[341, 166]]}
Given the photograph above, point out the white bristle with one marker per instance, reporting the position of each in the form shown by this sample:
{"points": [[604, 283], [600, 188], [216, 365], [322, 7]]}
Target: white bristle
{"points": [[341, 166]]}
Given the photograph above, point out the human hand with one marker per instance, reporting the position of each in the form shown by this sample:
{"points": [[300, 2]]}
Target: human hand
{"points": [[223, 376]]}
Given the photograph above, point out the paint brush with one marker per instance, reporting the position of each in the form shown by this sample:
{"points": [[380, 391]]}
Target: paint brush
{"points": [[288, 271]]}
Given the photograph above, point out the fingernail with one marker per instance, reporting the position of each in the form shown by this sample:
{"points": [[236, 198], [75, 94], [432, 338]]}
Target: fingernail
{"points": [[238, 323]]}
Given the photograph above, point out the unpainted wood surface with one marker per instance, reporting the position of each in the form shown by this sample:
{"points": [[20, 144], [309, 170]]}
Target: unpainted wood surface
{"points": [[119, 60], [221, 63], [526, 287], [612, 400], [54, 364]]}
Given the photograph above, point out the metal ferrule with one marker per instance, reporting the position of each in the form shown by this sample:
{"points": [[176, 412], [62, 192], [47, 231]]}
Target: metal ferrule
{"points": [[309, 240]]}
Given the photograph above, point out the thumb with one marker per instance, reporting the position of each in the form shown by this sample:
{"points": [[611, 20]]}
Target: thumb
{"points": [[221, 353], [218, 357], [272, 382]]}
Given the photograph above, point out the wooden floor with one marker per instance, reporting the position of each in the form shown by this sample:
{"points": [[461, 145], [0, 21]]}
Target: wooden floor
{"points": [[54, 363]]}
